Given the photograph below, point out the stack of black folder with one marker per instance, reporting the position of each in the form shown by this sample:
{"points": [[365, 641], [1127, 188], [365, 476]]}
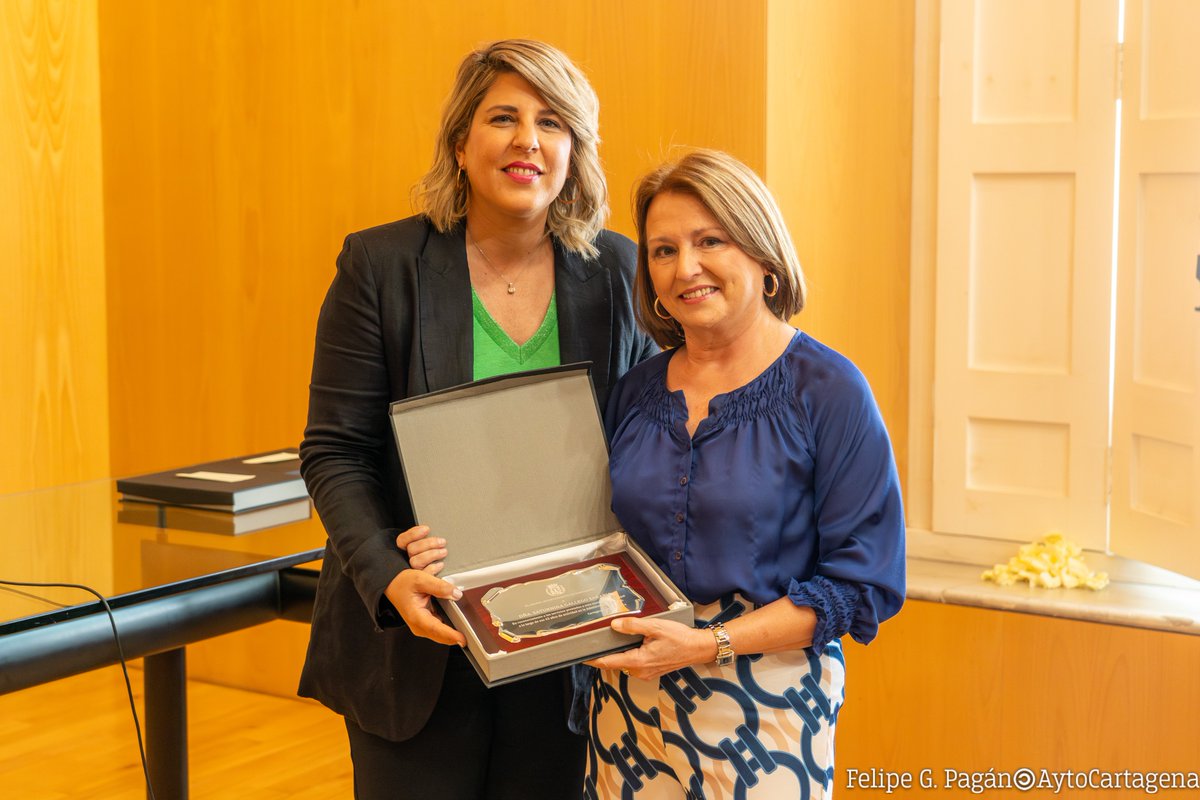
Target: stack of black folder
{"points": [[233, 495]]}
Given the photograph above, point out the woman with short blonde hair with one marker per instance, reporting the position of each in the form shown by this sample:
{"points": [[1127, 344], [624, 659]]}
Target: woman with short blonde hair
{"points": [[745, 207], [751, 463]]}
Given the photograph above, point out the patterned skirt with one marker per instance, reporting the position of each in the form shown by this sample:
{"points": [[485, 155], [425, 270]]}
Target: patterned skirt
{"points": [[759, 728]]}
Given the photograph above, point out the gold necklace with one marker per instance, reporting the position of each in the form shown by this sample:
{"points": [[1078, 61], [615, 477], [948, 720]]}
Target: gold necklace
{"points": [[512, 285]]}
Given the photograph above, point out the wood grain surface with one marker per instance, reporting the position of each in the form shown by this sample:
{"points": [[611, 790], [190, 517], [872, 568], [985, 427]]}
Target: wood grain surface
{"points": [[53, 358], [971, 689], [243, 745]]}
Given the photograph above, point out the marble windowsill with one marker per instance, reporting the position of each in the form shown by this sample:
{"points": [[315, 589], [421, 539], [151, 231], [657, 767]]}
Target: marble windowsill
{"points": [[945, 569]]}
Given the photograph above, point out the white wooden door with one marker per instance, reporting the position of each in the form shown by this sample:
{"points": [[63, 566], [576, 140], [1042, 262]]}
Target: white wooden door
{"points": [[1025, 176], [1156, 406]]}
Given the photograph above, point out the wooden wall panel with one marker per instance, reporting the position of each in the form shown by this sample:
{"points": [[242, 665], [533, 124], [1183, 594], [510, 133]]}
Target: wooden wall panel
{"points": [[839, 160], [244, 140], [970, 689], [53, 369], [228, 149], [672, 73]]}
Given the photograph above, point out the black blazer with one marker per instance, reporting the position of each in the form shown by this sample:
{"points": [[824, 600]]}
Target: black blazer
{"points": [[397, 323]]}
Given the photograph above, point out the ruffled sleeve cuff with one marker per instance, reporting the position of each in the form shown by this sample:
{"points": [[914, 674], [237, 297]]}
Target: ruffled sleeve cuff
{"points": [[835, 603]]}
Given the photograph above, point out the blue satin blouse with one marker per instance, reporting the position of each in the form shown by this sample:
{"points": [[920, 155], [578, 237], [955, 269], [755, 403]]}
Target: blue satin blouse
{"points": [[788, 487]]}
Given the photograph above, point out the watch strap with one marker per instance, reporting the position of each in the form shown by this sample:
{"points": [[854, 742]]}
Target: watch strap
{"points": [[725, 654]]}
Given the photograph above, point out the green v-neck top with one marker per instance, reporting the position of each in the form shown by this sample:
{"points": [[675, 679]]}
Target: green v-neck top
{"points": [[497, 354]]}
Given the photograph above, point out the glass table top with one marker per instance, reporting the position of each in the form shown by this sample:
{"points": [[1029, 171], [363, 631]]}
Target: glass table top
{"points": [[77, 534]]}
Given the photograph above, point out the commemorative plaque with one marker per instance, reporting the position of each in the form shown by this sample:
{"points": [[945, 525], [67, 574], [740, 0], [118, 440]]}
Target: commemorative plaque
{"points": [[555, 603], [513, 473], [564, 601]]}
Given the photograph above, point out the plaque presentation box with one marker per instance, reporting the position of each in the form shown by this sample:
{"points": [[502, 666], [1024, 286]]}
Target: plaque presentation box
{"points": [[513, 472]]}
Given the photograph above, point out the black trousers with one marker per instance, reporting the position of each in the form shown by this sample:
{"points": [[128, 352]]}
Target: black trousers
{"points": [[506, 743]]}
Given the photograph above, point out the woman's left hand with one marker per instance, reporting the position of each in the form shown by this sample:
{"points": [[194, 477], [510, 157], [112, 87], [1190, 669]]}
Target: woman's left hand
{"points": [[667, 646], [424, 552]]}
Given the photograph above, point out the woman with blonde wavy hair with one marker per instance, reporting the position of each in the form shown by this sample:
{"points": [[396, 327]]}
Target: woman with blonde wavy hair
{"points": [[506, 268]]}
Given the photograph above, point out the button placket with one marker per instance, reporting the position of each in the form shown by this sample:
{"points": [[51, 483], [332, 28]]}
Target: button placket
{"points": [[687, 462]]}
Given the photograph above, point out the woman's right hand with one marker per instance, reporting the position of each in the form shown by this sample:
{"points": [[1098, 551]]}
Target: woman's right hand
{"points": [[412, 591]]}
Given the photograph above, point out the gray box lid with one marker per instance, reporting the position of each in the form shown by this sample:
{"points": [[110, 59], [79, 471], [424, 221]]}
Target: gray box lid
{"points": [[507, 467]]}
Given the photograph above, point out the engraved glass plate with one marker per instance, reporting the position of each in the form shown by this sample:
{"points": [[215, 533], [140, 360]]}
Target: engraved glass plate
{"points": [[560, 603]]}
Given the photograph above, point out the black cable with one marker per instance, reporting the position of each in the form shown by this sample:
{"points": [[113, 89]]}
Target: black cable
{"points": [[137, 726]]}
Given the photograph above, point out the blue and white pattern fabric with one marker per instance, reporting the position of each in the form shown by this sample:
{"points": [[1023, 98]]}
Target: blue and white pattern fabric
{"points": [[762, 727]]}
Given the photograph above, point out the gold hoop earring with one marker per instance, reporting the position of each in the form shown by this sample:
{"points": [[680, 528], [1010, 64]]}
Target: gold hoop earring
{"points": [[774, 287], [657, 312], [574, 195], [462, 188]]}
